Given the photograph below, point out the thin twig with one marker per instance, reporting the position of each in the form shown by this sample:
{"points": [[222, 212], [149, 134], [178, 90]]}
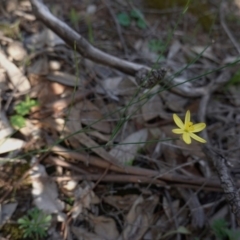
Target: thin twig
{"points": [[119, 30], [118, 178], [225, 27], [170, 178], [82, 46]]}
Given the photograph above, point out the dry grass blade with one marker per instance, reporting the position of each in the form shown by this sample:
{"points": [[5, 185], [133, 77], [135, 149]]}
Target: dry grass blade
{"points": [[126, 150]]}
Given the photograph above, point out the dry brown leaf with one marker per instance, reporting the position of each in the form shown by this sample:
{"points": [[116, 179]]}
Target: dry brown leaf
{"points": [[197, 213], [11, 5], [4, 122], [161, 226], [57, 88], [123, 203], [170, 208], [45, 192], [39, 66], [174, 49], [30, 129], [19, 81], [117, 86], [6, 211], [195, 149], [16, 51], [234, 92], [205, 52], [152, 108], [47, 92], [125, 152], [46, 38], [174, 102], [104, 227], [73, 125], [139, 218], [92, 116], [84, 197], [5, 132], [83, 234], [10, 144], [3, 81], [142, 47]]}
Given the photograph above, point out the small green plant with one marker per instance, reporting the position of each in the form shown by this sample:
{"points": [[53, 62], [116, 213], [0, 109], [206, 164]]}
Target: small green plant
{"points": [[139, 18], [156, 45], [22, 109], [74, 17], [221, 230], [234, 80], [35, 223], [125, 19]]}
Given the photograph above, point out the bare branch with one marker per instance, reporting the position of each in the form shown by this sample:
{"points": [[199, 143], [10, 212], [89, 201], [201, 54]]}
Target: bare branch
{"points": [[82, 46], [75, 40]]}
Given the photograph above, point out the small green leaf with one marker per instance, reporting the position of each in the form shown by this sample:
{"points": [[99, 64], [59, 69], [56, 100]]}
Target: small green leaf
{"points": [[235, 79], [24, 107], [18, 121], [135, 13], [233, 234], [36, 225], [156, 45], [138, 16], [219, 228], [129, 163], [74, 16], [124, 19], [48, 218], [141, 23]]}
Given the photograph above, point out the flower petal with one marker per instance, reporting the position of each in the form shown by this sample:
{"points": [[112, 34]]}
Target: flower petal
{"points": [[178, 131], [197, 138], [187, 117], [186, 138], [178, 121], [198, 127]]}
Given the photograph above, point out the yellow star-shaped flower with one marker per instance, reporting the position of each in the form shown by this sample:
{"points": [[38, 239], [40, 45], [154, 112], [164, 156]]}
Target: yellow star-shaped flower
{"points": [[187, 129]]}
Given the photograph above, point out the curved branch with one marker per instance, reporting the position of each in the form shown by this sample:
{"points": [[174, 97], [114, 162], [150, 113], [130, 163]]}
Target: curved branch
{"points": [[82, 46], [75, 40]]}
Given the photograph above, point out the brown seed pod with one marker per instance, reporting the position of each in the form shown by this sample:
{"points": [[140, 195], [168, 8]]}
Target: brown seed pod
{"points": [[148, 79]]}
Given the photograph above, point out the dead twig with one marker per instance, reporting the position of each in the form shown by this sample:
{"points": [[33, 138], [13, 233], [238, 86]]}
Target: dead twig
{"points": [[119, 30], [226, 29], [172, 179], [75, 40], [213, 86], [120, 178], [82, 46], [227, 183]]}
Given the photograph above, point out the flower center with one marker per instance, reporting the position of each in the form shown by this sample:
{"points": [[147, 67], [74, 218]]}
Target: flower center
{"points": [[189, 127]]}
